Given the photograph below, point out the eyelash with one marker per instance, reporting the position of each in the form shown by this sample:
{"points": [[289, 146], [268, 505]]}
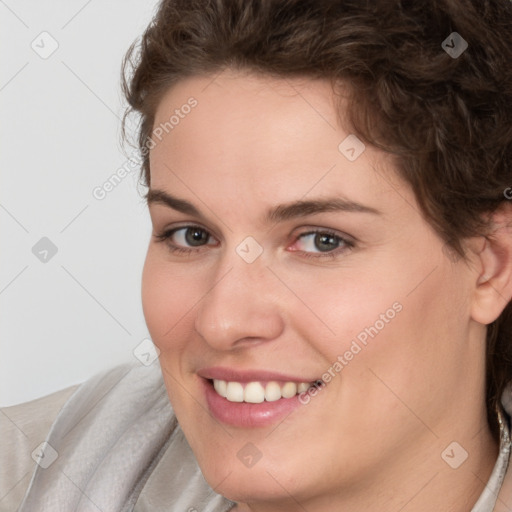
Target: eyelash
{"points": [[348, 244]]}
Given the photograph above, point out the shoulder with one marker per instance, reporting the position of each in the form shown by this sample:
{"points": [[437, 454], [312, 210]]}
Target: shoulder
{"points": [[23, 428], [116, 423], [114, 441], [119, 392]]}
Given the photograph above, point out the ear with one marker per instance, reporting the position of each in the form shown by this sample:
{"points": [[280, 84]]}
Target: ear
{"points": [[493, 286]]}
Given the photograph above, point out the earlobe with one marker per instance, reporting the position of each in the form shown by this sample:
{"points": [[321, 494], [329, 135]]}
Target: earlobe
{"points": [[493, 287]]}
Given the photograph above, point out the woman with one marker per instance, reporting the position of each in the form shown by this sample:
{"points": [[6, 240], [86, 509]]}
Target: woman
{"points": [[329, 277]]}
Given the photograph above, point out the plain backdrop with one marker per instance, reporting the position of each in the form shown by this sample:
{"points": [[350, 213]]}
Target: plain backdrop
{"points": [[70, 264]]}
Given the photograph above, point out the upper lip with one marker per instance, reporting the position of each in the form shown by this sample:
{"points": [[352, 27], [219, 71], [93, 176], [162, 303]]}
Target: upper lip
{"points": [[250, 375]]}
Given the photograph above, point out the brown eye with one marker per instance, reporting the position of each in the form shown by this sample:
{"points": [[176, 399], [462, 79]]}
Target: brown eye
{"points": [[195, 236], [323, 243], [320, 242], [186, 238], [326, 242]]}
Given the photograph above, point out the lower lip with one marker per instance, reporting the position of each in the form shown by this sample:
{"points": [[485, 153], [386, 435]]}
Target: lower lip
{"points": [[246, 415]]}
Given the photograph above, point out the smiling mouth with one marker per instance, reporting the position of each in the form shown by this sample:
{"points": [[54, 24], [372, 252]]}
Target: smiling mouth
{"points": [[256, 392]]}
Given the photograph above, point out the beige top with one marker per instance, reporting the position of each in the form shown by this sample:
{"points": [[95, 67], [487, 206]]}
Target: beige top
{"points": [[22, 428]]}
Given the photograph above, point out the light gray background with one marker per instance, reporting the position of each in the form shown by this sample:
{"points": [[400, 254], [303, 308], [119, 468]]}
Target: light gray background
{"points": [[80, 312]]}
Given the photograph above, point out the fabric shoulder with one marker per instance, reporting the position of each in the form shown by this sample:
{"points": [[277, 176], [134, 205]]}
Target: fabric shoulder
{"points": [[23, 428], [103, 444]]}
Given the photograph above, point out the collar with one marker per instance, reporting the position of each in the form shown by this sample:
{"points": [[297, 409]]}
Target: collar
{"points": [[489, 496]]}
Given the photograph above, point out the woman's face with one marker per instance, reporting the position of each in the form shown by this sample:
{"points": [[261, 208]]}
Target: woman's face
{"points": [[293, 254]]}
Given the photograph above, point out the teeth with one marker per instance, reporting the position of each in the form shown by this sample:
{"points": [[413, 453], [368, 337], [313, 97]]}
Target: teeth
{"points": [[235, 392], [221, 387], [303, 386], [289, 390], [272, 392], [255, 392]]}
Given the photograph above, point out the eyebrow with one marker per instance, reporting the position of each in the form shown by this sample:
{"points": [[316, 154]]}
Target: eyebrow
{"points": [[280, 213]]}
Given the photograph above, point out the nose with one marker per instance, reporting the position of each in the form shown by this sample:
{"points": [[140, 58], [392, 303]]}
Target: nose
{"points": [[242, 308]]}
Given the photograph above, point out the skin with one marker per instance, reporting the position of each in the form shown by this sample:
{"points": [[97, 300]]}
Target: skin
{"points": [[375, 434]]}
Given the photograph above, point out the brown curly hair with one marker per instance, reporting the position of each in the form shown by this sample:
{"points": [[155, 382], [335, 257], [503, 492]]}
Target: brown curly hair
{"points": [[446, 118]]}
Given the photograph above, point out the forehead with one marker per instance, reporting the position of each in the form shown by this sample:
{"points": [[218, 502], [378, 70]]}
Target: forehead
{"points": [[274, 138], [239, 114]]}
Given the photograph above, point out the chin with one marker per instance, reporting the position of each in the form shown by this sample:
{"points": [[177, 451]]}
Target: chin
{"points": [[251, 485]]}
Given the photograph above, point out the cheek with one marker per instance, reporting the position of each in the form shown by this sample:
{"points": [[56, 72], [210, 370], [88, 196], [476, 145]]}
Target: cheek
{"points": [[390, 325], [415, 360], [168, 300], [338, 307]]}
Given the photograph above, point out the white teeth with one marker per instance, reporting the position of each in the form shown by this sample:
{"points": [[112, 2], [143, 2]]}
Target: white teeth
{"points": [[235, 392], [255, 392], [303, 386], [221, 387], [272, 392], [289, 390]]}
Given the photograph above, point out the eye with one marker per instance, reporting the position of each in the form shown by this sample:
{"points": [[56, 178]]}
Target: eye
{"points": [[191, 236], [321, 242], [186, 238]]}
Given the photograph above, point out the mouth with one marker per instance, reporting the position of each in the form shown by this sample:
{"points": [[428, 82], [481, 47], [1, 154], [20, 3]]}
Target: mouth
{"points": [[256, 392], [251, 399]]}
